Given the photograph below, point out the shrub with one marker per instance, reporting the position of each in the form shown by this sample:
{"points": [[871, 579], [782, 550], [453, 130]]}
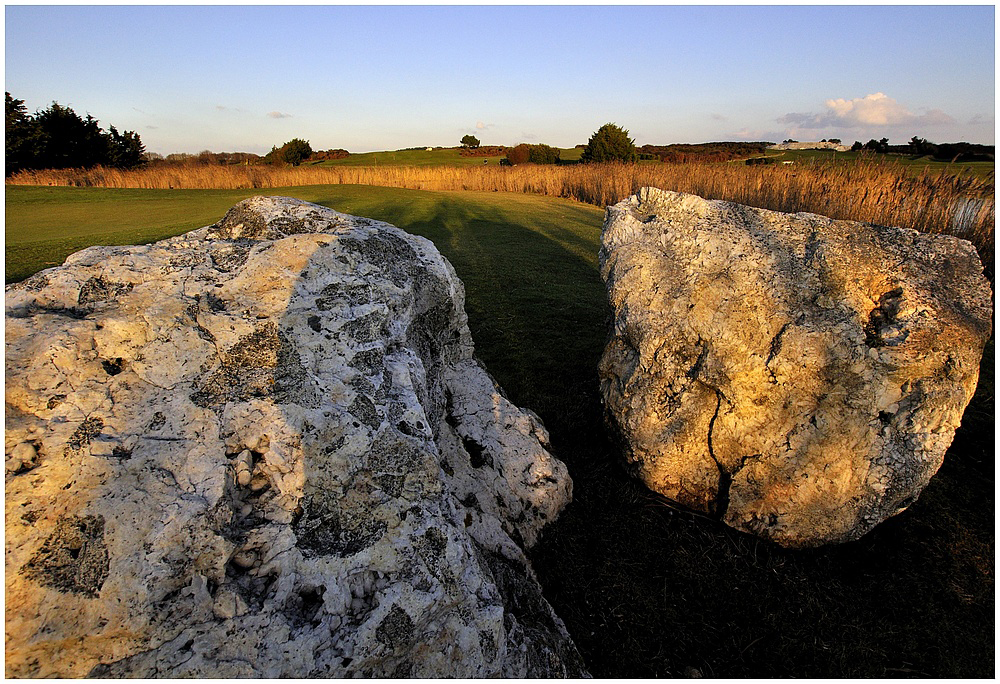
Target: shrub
{"points": [[532, 154], [296, 151], [293, 152], [543, 154], [519, 154], [608, 144]]}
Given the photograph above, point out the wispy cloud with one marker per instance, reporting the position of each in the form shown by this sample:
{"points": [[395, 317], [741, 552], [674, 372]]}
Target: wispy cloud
{"points": [[152, 128], [983, 120], [278, 115], [756, 134], [718, 117], [876, 109], [485, 126]]}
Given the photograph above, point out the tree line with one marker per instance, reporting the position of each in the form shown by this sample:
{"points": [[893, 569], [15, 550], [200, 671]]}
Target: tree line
{"points": [[952, 152], [58, 138]]}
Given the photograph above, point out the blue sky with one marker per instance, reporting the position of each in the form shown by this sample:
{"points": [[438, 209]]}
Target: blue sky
{"points": [[244, 78]]}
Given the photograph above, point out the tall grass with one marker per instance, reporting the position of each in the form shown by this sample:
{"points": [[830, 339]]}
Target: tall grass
{"points": [[878, 192]]}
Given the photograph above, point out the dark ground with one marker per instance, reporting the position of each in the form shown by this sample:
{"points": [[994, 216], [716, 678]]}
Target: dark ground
{"points": [[647, 589], [650, 590]]}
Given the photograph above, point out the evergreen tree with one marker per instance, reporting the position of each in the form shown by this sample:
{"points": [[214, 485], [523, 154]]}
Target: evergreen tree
{"points": [[609, 143], [296, 151], [57, 138], [17, 130]]}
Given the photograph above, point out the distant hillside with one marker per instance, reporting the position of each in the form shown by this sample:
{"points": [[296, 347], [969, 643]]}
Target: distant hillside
{"points": [[703, 152]]}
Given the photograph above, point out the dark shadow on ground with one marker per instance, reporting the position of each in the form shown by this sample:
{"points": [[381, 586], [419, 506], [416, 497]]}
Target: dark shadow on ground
{"points": [[647, 589]]}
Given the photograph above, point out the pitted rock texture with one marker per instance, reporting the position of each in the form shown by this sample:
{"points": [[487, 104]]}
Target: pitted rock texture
{"points": [[264, 448], [797, 376]]}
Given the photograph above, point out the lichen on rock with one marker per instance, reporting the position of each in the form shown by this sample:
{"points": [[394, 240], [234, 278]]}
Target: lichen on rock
{"points": [[264, 448], [797, 376]]}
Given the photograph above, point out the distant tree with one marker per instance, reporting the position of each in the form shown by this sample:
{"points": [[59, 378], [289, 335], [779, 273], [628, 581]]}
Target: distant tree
{"points": [[57, 137], [65, 140], [519, 154], [293, 152], [532, 154], [877, 145], [835, 141], [125, 150], [543, 154], [17, 130], [609, 143], [296, 151], [15, 112], [921, 146], [470, 141], [857, 146]]}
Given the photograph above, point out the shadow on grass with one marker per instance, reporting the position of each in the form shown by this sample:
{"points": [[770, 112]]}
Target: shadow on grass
{"points": [[649, 590]]}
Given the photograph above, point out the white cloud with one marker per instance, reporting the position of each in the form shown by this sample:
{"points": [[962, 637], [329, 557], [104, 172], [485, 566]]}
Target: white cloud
{"points": [[279, 115], [484, 126], [876, 109]]}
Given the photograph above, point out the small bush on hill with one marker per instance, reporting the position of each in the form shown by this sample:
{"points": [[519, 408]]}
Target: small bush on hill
{"points": [[293, 152]]}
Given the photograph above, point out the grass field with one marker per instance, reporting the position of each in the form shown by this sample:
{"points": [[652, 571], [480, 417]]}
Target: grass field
{"points": [[644, 588], [419, 157], [447, 156]]}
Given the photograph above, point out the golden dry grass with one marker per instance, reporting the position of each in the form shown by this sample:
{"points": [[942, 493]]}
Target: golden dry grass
{"points": [[881, 193]]}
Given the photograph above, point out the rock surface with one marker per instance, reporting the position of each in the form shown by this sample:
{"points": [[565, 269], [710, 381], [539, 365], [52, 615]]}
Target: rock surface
{"points": [[797, 376], [264, 448]]}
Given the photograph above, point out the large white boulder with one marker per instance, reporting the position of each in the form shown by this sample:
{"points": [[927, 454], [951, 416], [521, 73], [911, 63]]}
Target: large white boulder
{"points": [[797, 376], [264, 448]]}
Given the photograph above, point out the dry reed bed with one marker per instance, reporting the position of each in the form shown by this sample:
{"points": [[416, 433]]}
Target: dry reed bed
{"points": [[881, 193]]}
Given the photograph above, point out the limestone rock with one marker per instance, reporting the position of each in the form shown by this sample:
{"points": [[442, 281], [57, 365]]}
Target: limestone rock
{"points": [[797, 376], [264, 448]]}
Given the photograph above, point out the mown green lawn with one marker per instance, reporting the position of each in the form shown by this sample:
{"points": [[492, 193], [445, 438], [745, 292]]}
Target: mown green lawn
{"points": [[645, 589]]}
